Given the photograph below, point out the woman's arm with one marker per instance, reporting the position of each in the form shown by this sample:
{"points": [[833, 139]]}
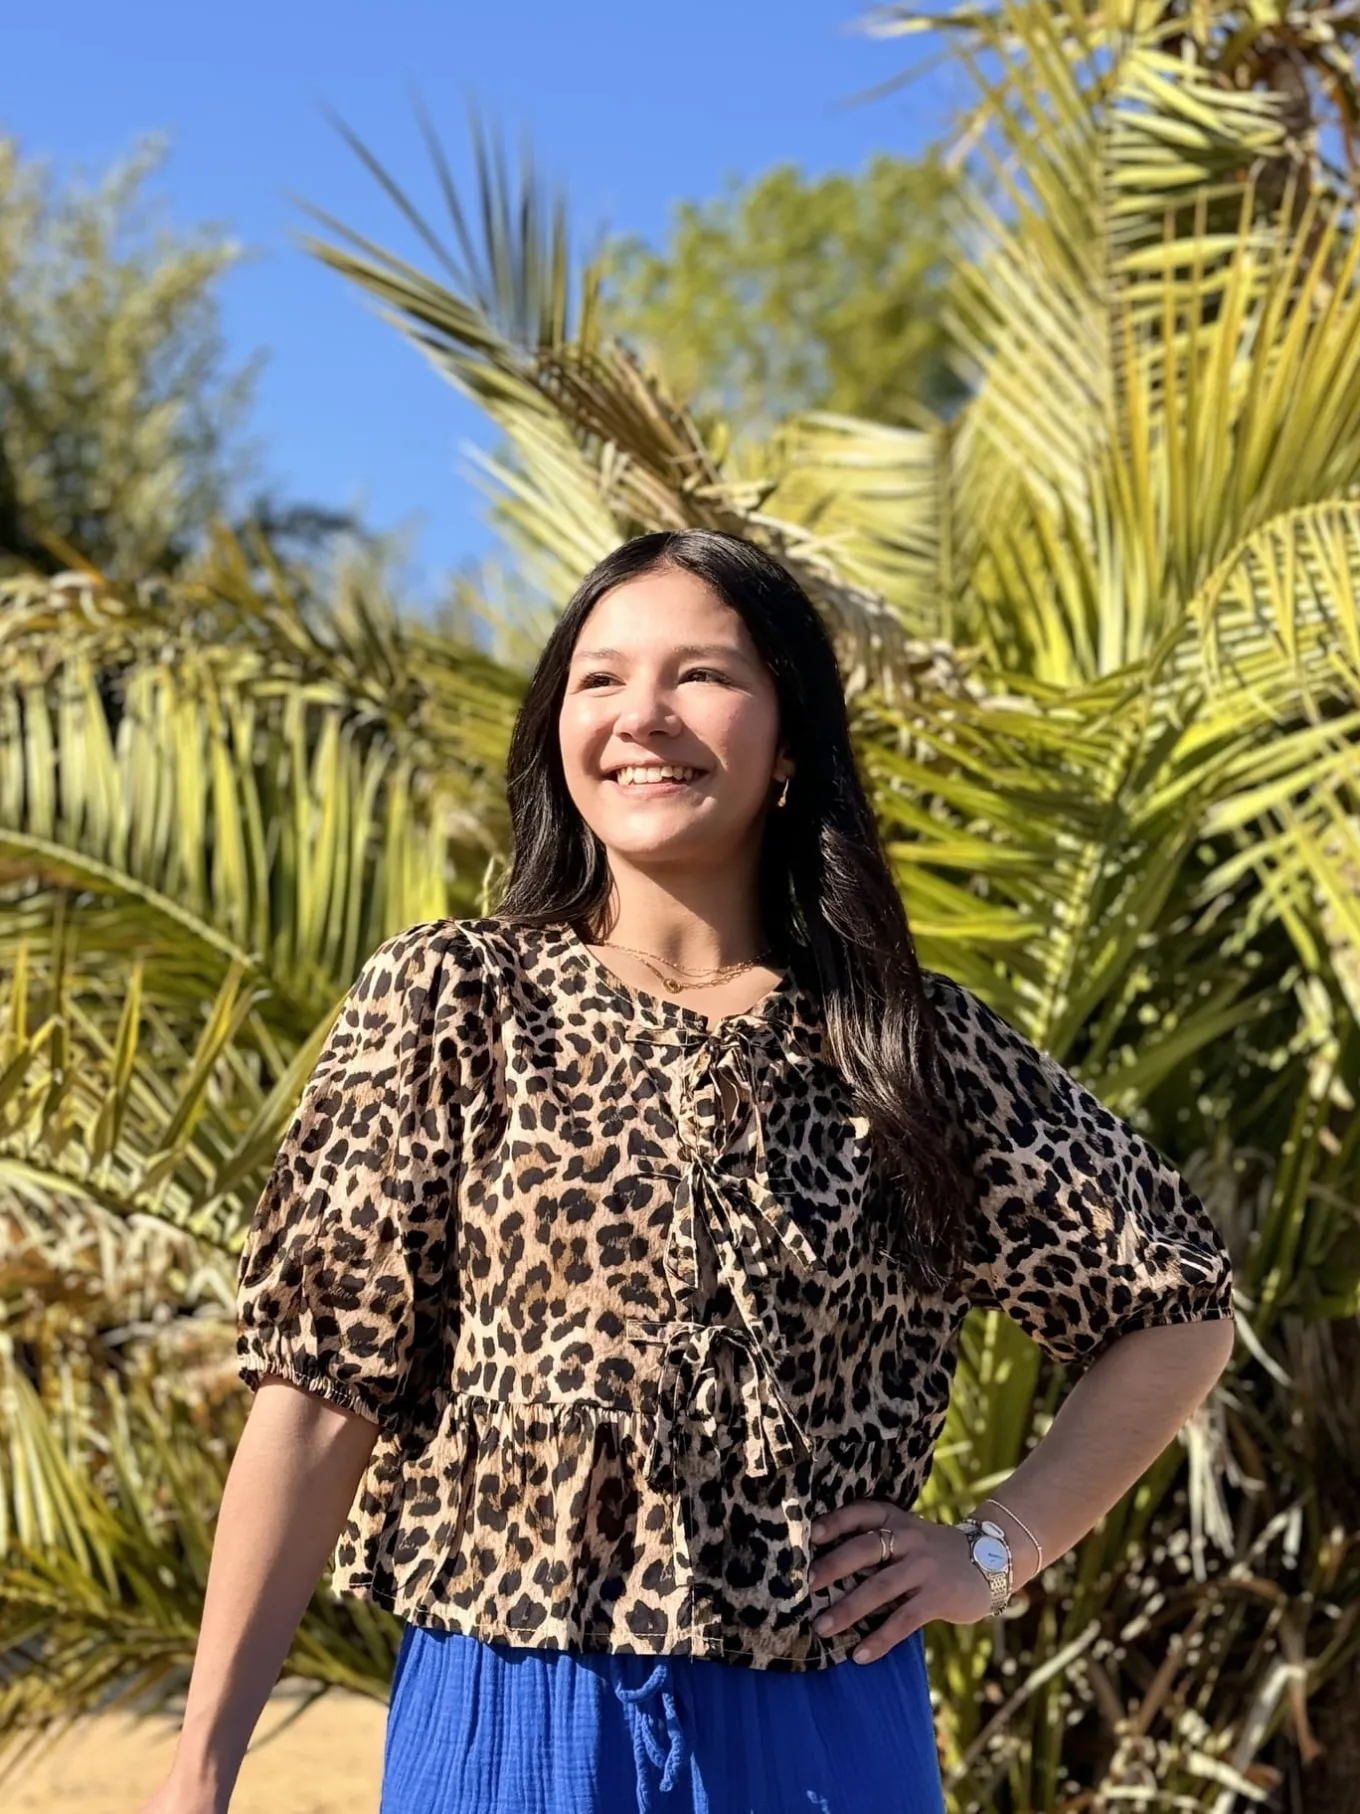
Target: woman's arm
{"points": [[1086, 1236], [343, 1298], [290, 1487], [1113, 1424]]}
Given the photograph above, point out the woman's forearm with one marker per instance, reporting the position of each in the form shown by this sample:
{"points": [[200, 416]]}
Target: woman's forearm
{"points": [[289, 1490], [1111, 1427]]}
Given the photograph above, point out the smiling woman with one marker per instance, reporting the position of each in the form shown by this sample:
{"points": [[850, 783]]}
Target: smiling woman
{"points": [[697, 648], [649, 1302]]}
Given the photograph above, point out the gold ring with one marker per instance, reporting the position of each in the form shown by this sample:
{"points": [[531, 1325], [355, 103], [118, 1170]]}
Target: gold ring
{"points": [[885, 1543]]}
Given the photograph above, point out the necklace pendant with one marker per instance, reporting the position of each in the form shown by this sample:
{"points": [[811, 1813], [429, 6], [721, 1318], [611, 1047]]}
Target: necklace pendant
{"points": [[673, 987]]}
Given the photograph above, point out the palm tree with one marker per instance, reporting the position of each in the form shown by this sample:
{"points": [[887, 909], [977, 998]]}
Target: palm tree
{"points": [[1102, 645], [218, 797]]}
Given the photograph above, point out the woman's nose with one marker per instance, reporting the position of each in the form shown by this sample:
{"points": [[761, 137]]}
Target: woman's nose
{"points": [[644, 711]]}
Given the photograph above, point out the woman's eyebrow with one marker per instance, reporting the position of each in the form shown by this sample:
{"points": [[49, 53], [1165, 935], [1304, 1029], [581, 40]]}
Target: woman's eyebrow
{"points": [[684, 649]]}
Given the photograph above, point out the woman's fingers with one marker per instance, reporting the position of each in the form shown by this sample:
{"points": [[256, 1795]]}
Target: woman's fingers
{"points": [[859, 1515], [898, 1625], [850, 1557], [930, 1571], [883, 1587]]}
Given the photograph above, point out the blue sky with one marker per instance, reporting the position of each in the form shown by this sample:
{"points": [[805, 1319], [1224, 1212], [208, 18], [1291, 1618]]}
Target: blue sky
{"points": [[631, 107]]}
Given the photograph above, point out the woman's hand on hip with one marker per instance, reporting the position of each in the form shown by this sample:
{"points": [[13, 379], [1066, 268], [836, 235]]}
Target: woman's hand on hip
{"points": [[930, 1574]]}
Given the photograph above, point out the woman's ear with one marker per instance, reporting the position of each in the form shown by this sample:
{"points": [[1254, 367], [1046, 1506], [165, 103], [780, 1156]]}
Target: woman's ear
{"points": [[781, 776]]}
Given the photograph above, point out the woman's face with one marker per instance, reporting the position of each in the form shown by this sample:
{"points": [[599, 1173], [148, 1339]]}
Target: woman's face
{"points": [[664, 675]]}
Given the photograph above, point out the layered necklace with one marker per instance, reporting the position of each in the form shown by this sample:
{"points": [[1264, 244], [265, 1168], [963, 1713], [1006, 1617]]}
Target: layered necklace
{"points": [[698, 979]]}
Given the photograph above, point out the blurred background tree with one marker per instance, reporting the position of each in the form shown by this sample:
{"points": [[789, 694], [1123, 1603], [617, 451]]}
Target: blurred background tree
{"points": [[120, 414], [792, 293], [1099, 627], [122, 420]]}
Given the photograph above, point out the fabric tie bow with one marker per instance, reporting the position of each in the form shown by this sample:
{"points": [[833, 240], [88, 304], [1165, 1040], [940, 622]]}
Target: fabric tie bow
{"points": [[688, 1411], [740, 1207]]}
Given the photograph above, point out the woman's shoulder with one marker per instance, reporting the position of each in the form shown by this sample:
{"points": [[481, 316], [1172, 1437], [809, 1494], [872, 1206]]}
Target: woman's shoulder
{"points": [[955, 1007], [972, 1036], [476, 949], [480, 953]]}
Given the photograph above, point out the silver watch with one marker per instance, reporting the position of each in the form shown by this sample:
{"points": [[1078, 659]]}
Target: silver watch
{"points": [[991, 1553]]}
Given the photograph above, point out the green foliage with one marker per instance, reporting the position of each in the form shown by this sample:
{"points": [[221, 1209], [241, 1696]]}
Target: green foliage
{"points": [[118, 410], [113, 1506], [1301, 53], [217, 797], [1101, 635], [792, 293]]}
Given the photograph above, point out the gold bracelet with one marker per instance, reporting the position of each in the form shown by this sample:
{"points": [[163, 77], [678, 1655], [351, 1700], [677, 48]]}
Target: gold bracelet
{"points": [[992, 1500]]}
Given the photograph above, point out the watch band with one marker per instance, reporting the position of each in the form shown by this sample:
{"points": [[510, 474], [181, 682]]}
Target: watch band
{"points": [[990, 1553]]}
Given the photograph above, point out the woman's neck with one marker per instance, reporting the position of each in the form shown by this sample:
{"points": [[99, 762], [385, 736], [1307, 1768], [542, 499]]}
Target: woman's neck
{"points": [[697, 922]]}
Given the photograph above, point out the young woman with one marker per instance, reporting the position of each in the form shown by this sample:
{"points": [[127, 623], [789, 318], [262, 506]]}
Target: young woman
{"points": [[621, 1243]]}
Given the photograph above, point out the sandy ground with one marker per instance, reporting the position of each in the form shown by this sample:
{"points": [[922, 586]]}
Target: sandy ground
{"points": [[329, 1761]]}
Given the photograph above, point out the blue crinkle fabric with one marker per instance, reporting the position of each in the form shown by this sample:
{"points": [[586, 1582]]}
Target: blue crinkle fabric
{"points": [[491, 1728]]}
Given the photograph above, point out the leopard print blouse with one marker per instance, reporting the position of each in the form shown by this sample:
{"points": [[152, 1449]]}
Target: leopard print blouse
{"points": [[603, 1277]]}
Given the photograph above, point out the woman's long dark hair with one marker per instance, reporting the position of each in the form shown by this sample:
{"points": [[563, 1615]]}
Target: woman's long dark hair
{"points": [[829, 907]]}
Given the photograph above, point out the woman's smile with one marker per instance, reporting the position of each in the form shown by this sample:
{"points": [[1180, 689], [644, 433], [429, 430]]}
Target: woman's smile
{"points": [[655, 780]]}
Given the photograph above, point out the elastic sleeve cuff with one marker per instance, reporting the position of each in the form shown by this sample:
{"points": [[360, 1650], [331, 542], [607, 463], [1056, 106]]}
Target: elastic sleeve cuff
{"points": [[257, 1358], [1160, 1316]]}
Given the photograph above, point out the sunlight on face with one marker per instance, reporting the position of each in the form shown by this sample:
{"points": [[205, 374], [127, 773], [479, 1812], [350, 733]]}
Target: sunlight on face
{"points": [[665, 674]]}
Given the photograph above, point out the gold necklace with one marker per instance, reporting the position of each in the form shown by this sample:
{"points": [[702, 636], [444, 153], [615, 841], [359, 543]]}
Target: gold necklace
{"points": [[702, 978]]}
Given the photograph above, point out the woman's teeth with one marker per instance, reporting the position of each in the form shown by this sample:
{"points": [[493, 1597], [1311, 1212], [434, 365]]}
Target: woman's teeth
{"points": [[643, 777]]}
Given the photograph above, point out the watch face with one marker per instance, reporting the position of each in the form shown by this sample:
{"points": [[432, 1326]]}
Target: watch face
{"points": [[990, 1553]]}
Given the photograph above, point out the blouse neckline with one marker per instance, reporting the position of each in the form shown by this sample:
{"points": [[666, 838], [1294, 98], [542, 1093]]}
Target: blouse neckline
{"points": [[785, 1003]]}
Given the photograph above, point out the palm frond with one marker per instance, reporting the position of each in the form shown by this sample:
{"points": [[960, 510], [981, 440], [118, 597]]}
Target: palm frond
{"points": [[586, 421], [105, 1537]]}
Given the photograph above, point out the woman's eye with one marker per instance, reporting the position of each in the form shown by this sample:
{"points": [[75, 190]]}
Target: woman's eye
{"points": [[600, 677]]}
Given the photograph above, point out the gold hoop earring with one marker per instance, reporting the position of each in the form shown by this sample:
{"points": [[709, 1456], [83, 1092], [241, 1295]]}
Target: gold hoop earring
{"points": [[783, 796]]}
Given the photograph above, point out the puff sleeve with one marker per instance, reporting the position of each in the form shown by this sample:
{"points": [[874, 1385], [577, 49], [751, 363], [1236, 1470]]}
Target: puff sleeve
{"points": [[1081, 1231], [341, 1282]]}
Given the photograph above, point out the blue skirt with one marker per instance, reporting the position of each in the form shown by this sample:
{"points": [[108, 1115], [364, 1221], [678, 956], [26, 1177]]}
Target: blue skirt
{"points": [[493, 1728]]}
